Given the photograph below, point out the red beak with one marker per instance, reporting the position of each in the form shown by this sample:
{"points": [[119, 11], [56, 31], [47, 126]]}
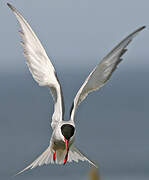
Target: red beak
{"points": [[66, 144]]}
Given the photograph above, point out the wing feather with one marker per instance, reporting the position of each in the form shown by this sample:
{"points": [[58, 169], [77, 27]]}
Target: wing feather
{"points": [[40, 65], [102, 72]]}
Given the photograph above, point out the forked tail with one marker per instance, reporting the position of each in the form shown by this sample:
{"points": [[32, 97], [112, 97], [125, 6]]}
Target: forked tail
{"points": [[44, 158], [76, 155], [47, 157]]}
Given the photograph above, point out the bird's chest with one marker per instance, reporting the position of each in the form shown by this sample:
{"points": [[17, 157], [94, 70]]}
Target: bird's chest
{"points": [[58, 144]]}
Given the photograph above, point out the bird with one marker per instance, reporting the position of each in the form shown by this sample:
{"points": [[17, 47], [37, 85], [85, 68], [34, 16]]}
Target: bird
{"points": [[61, 148]]}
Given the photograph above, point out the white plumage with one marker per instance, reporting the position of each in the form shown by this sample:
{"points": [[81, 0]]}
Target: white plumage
{"points": [[61, 148]]}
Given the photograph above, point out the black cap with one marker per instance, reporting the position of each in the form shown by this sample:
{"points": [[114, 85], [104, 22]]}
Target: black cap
{"points": [[67, 131]]}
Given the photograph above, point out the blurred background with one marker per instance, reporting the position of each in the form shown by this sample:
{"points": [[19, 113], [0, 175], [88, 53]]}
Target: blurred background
{"points": [[112, 124]]}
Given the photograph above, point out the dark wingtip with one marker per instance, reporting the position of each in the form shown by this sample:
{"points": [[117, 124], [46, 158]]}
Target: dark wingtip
{"points": [[143, 27], [10, 6], [138, 30]]}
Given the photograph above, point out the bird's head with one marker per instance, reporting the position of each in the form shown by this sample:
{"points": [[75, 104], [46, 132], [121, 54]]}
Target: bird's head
{"points": [[67, 131]]}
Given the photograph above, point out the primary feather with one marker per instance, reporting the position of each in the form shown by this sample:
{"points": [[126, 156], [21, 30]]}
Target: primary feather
{"points": [[102, 72], [40, 65]]}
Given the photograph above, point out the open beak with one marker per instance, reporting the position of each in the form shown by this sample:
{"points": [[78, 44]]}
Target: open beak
{"points": [[66, 144]]}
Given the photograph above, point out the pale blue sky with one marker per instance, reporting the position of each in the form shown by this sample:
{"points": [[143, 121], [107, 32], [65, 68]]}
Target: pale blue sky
{"points": [[76, 33]]}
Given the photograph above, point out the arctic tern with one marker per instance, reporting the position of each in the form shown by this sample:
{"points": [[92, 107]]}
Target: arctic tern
{"points": [[61, 147]]}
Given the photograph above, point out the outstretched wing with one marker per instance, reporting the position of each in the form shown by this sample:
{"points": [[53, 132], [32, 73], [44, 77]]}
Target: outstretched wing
{"points": [[40, 66], [102, 72]]}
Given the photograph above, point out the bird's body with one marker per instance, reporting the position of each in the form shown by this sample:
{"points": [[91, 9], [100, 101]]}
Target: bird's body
{"points": [[61, 147], [57, 142]]}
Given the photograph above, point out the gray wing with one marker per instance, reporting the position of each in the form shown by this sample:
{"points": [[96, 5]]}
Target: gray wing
{"points": [[40, 65], [102, 72]]}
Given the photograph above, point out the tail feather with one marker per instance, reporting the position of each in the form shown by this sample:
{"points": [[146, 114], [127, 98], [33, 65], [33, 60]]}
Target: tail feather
{"points": [[76, 155], [46, 158]]}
